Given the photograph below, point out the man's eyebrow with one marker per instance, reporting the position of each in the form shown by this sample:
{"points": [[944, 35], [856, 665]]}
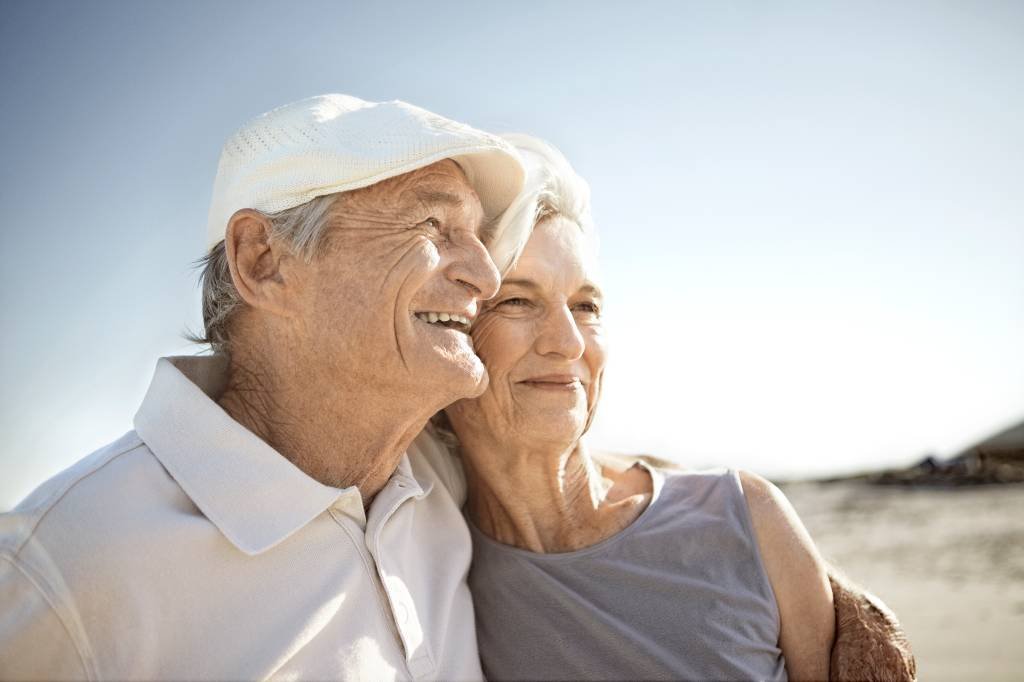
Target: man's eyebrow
{"points": [[427, 197], [592, 289], [446, 198]]}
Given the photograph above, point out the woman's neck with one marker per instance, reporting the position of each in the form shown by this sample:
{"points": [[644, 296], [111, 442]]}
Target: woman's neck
{"points": [[548, 499]]}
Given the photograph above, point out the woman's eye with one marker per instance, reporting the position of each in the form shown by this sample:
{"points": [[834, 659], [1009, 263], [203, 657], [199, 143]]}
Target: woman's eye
{"points": [[513, 302], [587, 307]]}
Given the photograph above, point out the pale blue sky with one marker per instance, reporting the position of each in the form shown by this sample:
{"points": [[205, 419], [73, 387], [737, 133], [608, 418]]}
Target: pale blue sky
{"points": [[812, 213]]}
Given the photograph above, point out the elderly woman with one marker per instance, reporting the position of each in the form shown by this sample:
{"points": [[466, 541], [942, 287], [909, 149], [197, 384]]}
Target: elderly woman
{"points": [[584, 569]]}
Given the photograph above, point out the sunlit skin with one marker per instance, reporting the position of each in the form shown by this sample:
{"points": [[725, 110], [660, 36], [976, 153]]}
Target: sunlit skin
{"points": [[531, 483], [542, 339], [329, 364]]}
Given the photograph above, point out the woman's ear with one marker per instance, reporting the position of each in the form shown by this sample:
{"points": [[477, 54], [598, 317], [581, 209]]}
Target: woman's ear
{"points": [[259, 265]]}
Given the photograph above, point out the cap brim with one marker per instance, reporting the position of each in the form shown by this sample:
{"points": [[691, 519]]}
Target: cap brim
{"points": [[495, 175]]}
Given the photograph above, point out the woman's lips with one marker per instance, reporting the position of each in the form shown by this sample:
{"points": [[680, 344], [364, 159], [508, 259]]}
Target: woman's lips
{"points": [[554, 382]]}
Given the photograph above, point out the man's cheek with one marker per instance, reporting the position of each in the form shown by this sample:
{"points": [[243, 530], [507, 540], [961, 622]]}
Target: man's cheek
{"points": [[481, 335], [408, 264]]}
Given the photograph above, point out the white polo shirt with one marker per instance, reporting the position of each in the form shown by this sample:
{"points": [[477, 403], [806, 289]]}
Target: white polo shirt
{"points": [[190, 549]]}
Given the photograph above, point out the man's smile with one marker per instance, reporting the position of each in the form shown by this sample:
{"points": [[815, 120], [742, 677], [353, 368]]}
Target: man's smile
{"points": [[456, 321]]}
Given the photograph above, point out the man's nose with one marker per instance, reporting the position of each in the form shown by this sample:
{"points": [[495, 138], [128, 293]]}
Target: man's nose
{"points": [[473, 268], [560, 335]]}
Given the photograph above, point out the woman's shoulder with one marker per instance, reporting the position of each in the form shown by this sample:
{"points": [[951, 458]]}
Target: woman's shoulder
{"points": [[682, 498], [797, 575], [621, 462], [673, 476]]}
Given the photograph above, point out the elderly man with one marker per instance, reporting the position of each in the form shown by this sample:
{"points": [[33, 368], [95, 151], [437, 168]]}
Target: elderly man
{"points": [[263, 518]]}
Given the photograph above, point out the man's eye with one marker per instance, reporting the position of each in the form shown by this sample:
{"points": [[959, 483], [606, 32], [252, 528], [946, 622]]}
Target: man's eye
{"points": [[431, 224], [513, 302], [588, 307]]}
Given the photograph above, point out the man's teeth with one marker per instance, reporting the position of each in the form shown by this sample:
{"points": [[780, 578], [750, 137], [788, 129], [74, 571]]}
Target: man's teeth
{"points": [[443, 317]]}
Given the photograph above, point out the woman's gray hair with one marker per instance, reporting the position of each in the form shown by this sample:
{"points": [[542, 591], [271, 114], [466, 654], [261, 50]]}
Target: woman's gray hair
{"points": [[552, 188], [302, 229]]}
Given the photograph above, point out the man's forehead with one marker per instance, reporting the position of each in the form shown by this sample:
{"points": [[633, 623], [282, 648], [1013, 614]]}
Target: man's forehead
{"points": [[442, 185], [439, 181], [435, 196], [444, 172]]}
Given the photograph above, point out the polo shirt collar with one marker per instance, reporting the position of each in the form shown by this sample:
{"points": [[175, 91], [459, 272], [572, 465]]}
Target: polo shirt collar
{"points": [[249, 491]]}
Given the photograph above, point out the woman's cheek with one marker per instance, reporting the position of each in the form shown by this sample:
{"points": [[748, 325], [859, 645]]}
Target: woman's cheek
{"points": [[597, 349], [596, 355], [500, 341]]}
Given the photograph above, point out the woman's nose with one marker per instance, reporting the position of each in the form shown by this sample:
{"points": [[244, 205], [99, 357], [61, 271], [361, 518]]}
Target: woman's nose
{"points": [[559, 335]]}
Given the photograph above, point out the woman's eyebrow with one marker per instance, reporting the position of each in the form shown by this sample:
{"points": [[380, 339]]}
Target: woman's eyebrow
{"points": [[525, 283], [589, 288]]}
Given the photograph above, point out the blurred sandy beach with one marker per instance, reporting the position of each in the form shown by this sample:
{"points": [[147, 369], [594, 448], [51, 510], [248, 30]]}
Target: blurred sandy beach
{"points": [[948, 561]]}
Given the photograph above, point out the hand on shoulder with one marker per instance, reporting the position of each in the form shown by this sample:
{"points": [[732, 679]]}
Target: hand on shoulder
{"points": [[798, 577], [870, 643]]}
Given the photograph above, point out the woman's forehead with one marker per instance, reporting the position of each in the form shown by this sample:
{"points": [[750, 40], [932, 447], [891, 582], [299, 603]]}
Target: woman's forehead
{"points": [[557, 256]]}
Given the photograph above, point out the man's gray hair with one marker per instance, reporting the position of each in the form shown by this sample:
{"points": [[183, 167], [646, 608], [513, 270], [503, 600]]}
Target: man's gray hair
{"points": [[303, 228]]}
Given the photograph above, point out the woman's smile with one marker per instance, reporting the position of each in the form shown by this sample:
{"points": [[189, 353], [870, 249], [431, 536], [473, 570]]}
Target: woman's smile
{"points": [[561, 383]]}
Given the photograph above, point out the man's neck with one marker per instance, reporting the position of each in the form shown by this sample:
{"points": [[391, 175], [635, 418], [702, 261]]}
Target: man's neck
{"points": [[340, 436]]}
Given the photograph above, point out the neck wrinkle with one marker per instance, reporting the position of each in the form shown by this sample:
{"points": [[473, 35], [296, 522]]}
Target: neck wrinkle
{"points": [[544, 501], [340, 436]]}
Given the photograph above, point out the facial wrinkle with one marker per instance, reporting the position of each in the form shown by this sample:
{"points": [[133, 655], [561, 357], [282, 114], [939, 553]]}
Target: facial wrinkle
{"points": [[395, 318], [452, 211], [505, 398], [388, 201], [400, 252]]}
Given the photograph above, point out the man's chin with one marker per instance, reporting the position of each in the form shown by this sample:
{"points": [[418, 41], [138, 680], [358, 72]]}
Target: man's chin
{"points": [[456, 375], [474, 377], [483, 379], [455, 369]]}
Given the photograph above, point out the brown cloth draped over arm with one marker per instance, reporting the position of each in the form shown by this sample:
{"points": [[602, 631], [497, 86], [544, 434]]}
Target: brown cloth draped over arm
{"points": [[870, 645]]}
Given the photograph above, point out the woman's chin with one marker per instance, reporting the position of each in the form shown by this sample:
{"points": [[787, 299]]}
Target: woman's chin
{"points": [[564, 428]]}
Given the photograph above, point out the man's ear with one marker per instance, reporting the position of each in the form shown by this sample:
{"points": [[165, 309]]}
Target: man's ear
{"points": [[260, 267]]}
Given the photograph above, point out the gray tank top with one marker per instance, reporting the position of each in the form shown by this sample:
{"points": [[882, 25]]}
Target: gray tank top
{"points": [[680, 594]]}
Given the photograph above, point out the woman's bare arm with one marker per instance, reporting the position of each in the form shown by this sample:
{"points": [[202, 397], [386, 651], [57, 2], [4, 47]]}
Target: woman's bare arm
{"points": [[798, 577]]}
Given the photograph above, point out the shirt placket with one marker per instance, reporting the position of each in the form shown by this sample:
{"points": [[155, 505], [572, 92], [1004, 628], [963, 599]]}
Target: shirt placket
{"points": [[399, 491], [349, 515]]}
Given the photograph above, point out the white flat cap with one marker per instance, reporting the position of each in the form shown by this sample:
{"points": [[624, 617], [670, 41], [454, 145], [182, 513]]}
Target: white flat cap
{"points": [[336, 143]]}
